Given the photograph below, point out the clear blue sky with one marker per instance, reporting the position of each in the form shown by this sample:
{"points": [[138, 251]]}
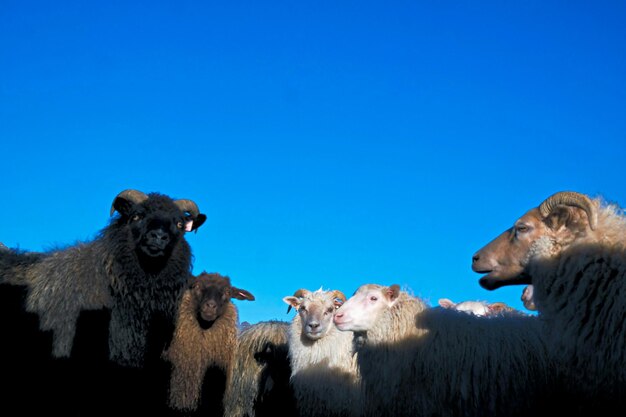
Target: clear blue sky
{"points": [[330, 143]]}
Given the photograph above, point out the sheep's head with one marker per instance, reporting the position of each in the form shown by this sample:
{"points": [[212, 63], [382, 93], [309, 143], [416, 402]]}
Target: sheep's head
{"points": [[156, 223], [316, 310], [362, 310], [544, 231], [211, 292]]}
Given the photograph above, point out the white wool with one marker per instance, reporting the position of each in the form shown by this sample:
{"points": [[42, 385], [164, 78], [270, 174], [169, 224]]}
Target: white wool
{"points": [[428, 361], [324, 374]]}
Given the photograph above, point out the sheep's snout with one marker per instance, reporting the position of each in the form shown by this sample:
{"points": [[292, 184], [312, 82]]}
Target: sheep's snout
{"points": [[313, 325], [340, 320], [158, 238]]}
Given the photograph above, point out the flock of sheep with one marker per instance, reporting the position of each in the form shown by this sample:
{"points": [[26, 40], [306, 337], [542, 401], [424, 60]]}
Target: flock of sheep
{"points": [[119, 325]]}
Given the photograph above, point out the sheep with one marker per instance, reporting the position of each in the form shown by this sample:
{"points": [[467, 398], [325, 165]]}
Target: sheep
{"points": [[570, 251], [324, 374], [259, 382], [424, 361], [101, 311], [204, 339], [478, 308]]}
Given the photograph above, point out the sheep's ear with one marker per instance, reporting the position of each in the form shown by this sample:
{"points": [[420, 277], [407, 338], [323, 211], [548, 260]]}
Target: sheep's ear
{"points": [[241, 294], [292, 301], [446, 303], [194, 224], [573, 219], [393, 293]]}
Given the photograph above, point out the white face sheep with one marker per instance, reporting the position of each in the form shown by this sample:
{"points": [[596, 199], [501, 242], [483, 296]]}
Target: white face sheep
{"points": [[315, 311], [108, 304], [324, 375], [572, 249], [204, 343], [417, 360]]}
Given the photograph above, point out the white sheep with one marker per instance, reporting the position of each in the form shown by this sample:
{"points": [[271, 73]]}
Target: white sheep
{"points": [[259, 382], [422, 361], [478, 308], [324, 373], [572, 249]]}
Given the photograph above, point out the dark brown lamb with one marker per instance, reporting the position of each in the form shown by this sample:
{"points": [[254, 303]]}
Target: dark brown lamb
{"points": [[204, 343]]}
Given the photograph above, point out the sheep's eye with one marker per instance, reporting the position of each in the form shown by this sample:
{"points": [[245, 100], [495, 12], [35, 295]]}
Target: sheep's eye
{"points": [[179, 225], [135, 217], [521, 228], [373, 298], [302, 308]]}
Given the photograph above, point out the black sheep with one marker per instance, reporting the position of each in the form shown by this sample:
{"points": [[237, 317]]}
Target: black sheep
{"points": [[87, 324]]}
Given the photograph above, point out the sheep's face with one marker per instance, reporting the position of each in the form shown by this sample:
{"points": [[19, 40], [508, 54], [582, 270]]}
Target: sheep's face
{"points": [[155, 225], [316, 310], [211, 294], [505, 260], [361, 311]]}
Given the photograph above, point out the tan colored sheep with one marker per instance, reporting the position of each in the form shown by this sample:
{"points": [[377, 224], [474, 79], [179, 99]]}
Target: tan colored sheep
{"points": [[259, 382], [205, 338], [571, 249]]}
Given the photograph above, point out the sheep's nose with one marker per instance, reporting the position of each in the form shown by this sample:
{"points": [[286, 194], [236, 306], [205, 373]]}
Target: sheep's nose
{"points": [[158, 238], [159, 234], [314, 325], [338, 315], [475, 258]]}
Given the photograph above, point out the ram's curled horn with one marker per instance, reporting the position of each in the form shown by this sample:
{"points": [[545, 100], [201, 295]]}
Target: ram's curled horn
{"points": [[301, 293], [570, 198], [188, 206], [130, 195], [339, 295]]}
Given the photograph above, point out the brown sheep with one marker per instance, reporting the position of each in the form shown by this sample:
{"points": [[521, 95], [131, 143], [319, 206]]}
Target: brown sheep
{"points": [[204, 343], [570, 252]]}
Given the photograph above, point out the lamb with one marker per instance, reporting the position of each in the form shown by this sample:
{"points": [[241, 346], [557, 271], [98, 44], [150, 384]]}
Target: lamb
{"points": [[324, 374], [478, 308], [417, 360], [570, 251], [204, 342], [259, 382], [102, 311]]}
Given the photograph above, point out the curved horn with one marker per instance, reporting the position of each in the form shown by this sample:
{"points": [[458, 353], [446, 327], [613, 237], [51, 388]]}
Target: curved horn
{"points": [[301, 293], [338, 294], [188, 206], [570, 198], [130, 195]]}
